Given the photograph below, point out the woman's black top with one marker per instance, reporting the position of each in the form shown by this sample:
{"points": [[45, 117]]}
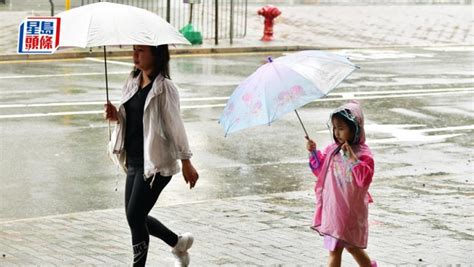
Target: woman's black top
{"points": [[134, 128]]}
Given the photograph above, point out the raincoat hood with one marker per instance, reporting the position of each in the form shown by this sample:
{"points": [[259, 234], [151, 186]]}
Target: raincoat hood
{"points": [[356, 115]]}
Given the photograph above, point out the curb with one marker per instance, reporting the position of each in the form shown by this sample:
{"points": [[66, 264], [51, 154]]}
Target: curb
{"points": [[210, 50], [173, 51]]}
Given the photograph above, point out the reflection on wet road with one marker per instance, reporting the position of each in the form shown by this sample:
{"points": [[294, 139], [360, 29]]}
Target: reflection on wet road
{"points": [[419, 114]]}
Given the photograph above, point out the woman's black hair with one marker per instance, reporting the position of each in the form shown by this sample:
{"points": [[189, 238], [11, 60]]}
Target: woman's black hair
{"points": [[161, 55], [343, 115]]}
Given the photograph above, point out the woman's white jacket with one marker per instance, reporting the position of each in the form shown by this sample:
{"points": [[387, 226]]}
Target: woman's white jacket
{"points": [[164, 136]]}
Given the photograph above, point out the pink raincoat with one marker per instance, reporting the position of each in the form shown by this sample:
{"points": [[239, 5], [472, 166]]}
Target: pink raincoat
{"points": [[341, 189]]}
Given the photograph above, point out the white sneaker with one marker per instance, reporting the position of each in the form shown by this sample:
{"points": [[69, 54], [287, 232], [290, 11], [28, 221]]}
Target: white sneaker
{"points": [[181, 259], [180, 251]]}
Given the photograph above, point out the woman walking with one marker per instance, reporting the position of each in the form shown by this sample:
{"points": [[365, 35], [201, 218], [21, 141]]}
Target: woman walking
{"points": [[148, 140]]}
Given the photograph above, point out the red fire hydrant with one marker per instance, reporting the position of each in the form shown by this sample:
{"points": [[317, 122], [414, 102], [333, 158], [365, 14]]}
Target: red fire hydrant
{"points": [[269, 12]]}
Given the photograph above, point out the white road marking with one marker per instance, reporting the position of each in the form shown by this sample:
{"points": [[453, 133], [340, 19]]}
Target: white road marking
{"points": [[93, 103], [129, 64], [412, 113], [10, 92], [451, 110], [444, 129], [408, 139], [410, 133], [411, 82], [49, 114], [331, 97], [452, 49], [344, 96], [69, 113], [396, 96], [385, 54], [61, 75], [407, 133], [204, 106], [412, 91]]}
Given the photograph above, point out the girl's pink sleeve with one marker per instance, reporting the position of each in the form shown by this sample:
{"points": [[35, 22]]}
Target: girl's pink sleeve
{"points": [[363, 170], [316, 159]]}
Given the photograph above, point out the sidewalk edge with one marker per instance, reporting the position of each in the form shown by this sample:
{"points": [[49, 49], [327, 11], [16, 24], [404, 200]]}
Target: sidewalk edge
{"points": [[204, 51]]}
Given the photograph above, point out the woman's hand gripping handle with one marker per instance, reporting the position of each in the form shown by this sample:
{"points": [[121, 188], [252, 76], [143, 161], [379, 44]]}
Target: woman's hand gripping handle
{"points": [[110, 112]]}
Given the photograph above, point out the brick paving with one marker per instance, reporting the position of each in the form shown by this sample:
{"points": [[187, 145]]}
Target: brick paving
{"points": [[270, 229], [376, 25]]}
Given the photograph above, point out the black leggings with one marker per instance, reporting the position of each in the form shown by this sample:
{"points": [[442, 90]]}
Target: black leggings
{"points": [[139, 200]]}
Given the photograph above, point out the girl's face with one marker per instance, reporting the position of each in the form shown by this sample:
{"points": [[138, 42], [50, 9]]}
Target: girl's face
{"points": [[142, 58], [342, 132]]}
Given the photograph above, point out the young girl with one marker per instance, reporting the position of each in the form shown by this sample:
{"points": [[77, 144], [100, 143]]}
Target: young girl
{"points": [[344, 170]]}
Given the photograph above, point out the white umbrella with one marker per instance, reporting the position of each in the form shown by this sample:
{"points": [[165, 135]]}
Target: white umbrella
{"points": [[103, 24]]}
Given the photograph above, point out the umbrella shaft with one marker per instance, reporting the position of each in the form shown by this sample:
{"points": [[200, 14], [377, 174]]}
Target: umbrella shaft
{"points": [[302, 125], [106, 85], [106, 78]]}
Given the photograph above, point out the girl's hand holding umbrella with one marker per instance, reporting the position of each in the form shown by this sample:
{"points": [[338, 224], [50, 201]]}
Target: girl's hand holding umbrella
{"points": [[310, 145], [111, 113]]}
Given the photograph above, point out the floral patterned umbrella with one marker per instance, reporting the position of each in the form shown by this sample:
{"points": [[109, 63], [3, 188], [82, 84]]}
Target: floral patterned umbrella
{"points": [[283, 85]]}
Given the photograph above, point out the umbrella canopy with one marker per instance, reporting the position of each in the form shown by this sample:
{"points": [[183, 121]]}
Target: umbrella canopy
{"points": [[283, 85], [105, 24]]}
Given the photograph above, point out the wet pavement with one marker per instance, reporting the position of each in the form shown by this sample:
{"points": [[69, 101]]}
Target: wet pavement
{"points": [[55, 124], [419, 116], [254, 201]]}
